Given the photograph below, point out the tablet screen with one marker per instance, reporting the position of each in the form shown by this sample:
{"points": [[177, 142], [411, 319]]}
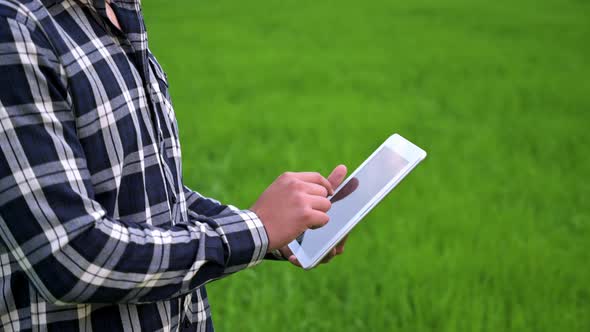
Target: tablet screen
{"points": [[353, 196]]}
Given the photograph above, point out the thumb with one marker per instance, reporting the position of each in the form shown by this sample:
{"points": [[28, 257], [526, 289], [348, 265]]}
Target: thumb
{"points": [[337, 176]]}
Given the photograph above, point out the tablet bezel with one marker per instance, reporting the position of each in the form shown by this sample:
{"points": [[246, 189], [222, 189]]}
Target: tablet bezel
{"points": [[406, 149]]}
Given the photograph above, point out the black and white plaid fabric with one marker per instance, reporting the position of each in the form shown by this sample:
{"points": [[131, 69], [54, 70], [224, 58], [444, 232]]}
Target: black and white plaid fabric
{"points": [[98, 232]]}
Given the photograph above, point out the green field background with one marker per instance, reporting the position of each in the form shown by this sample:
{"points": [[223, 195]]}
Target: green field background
{"points": [[490, 233]]}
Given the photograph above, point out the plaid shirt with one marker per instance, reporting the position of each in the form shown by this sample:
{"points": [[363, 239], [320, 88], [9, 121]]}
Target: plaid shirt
{"points": [[98, 232]]}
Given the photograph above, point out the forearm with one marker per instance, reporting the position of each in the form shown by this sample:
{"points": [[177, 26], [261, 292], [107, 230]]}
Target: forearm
{"points": [[94, 258]]}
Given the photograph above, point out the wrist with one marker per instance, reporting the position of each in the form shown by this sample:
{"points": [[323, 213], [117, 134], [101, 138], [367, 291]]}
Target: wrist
{"points": [[277, 254], [256, 212]]}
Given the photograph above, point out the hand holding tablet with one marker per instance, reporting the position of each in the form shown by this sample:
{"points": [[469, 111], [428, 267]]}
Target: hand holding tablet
{"points": [[358, 195]]}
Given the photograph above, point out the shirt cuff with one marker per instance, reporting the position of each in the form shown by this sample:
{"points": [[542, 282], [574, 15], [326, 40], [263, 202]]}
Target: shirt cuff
{"points": [[252, 246]]}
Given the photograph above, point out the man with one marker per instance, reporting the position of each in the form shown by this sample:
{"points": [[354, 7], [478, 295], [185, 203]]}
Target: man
{"points": [[98, 232]]}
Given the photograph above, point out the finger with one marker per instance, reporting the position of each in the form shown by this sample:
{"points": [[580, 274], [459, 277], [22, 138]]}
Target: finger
{"points": [[340, 246], [294, 260], [337, 176], [316, 219], [315, 189], [286, 251], [320, 203], [317, 178], [329, 256]]}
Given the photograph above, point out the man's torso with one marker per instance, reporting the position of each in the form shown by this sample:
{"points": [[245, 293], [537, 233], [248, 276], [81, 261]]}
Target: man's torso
{"points": [[127, 128]]}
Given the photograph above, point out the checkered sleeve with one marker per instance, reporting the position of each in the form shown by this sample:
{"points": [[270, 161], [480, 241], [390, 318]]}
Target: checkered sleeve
{"points": [[68, 246], [200, 205]]}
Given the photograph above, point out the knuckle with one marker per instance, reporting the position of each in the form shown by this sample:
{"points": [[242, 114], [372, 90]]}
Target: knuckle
{"points": [[307, 214], [300, 199], [293, 184], [317, 176], [286, 176], [297, 185]]}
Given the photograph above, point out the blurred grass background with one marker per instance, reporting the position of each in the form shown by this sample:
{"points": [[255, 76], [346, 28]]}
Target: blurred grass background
{"points": [[490, 233]]}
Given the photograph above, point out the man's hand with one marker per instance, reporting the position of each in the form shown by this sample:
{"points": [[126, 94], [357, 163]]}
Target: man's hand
{"points": [[293, 203], [335, 179]]}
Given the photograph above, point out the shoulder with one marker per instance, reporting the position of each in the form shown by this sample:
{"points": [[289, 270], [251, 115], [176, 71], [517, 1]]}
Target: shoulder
{"points": [[27, 22], [30, 13]]}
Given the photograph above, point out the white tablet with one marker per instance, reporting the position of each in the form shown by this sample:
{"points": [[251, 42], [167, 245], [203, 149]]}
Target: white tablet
{"points": [[357, 195]]}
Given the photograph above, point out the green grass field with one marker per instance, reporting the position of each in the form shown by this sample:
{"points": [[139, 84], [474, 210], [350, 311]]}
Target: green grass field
{"points": [[490, 233]]}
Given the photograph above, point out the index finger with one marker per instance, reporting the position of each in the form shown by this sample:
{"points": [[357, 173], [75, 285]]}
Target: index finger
{"points": [[317, 178], [293, 259]]}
